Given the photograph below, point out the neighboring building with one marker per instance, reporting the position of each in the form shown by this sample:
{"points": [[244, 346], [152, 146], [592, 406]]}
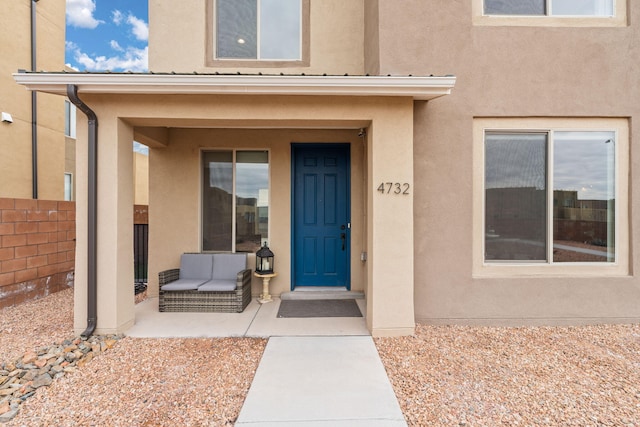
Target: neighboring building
{"points": [[359, 176], [55, 158]]}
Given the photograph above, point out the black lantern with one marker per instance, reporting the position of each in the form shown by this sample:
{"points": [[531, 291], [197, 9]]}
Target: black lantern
{"points": [[264, 260]]}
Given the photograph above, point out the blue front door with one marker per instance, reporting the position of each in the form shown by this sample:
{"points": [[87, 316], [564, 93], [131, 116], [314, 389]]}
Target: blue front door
{"points": [[320, 215]]}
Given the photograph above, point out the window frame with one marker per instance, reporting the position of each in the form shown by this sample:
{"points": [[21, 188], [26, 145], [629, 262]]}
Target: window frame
{"points": [[68, 196], [212, 61], [70, 117], [234, 207], [619, 18], [493, 268]]}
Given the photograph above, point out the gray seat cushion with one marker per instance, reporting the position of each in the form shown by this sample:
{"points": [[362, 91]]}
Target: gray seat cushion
{"points": [[227, 266], [196, 266], [183, 285], [218, 285]]}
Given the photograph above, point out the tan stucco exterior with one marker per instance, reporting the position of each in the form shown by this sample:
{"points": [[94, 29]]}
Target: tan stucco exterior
{"points": [[506, 71], [174, 190], [15, 138], [336, 38], [140, 178], [424, 248]]}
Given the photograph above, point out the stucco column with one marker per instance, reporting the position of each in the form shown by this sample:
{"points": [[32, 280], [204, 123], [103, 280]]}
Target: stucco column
{"points": [[114, 229], [390, 309]]}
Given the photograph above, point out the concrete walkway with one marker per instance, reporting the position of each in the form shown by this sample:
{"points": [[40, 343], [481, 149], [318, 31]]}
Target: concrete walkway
{"points": [[314, 372], [318, 381]]}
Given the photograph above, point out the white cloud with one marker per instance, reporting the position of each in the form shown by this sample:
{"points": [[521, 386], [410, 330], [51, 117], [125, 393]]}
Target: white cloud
{"points": [[132, 59], [80, 14], [116, 46], [139, 28], [117, 17], [71, 67]]}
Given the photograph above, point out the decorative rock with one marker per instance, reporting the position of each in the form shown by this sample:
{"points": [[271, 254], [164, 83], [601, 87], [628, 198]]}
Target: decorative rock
{"points": [[19, 379], [8, 416], [40, 363], [42, 380], [29, 357], [28, 376]]}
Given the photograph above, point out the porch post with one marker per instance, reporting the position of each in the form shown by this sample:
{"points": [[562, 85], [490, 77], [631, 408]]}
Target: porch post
{"points": [[390, 308], [114, 227]]}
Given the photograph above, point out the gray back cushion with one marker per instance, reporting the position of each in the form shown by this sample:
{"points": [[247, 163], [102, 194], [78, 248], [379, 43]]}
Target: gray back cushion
{"points": [[227, 266], [196, 266]]}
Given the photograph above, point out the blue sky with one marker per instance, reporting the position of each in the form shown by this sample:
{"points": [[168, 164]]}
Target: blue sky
{"points": [[107, 35]]}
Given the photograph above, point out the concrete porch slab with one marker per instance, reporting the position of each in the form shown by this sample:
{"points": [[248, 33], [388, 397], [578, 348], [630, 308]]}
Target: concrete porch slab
{"points": [[257, 320], [150, 323], [267, 324]]}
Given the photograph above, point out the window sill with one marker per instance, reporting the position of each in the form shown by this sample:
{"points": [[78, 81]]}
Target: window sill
{"points": [[549, 21], [256, 63], [550, 270]]}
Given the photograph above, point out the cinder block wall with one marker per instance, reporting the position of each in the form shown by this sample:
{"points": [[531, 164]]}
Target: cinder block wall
{"points": [[37, 248]]}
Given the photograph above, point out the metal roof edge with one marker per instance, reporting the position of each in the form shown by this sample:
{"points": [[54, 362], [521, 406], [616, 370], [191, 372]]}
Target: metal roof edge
{"points": [[417, 87]]}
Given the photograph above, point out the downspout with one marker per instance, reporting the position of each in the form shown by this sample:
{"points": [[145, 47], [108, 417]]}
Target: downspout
{"points": [[92, 295], [34, 108]]}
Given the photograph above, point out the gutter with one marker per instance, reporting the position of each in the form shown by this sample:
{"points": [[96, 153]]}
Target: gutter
{"points": [[34, 108], [92, 294]]}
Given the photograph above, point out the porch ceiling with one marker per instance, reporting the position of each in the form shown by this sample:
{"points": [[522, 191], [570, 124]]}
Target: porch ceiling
{"points": [[419, 88]]}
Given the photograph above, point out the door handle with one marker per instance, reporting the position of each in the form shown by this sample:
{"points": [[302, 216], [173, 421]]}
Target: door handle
{"points": [[343, 237]]}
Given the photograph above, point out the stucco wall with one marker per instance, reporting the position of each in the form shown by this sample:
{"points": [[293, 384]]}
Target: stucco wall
{"points": [[140, 178], [336, 38], [196, 122], [503, 72], [15, 138], [176, 194]]}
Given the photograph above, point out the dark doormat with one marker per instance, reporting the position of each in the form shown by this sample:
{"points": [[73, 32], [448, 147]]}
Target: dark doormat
{"points": [[319, 308]]}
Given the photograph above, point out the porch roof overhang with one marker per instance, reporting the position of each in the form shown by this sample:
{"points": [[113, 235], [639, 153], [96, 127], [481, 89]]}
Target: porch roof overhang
{"points": [[419, 88]]}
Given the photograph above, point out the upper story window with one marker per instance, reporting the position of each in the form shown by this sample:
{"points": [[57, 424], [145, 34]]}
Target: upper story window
{"points": [[549, 7], [260, 32], [550, 13]]}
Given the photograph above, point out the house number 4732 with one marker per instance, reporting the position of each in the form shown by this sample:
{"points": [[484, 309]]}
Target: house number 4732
{"points": [[394, 188]]}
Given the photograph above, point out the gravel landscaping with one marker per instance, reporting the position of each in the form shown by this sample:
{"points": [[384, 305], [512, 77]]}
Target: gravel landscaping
{"points": [[135, 382], [443, 376], [542, 376]]}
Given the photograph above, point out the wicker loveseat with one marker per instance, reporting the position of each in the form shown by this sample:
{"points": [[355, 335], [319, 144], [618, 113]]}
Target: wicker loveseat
{"points": [[206, 283]]}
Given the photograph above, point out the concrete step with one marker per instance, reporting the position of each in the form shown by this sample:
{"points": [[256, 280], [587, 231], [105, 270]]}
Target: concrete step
{"points": [[324, 292]]}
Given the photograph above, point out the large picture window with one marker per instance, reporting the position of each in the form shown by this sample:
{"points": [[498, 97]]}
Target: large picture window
{"points": [[550, 197], [235, 200], [550, 7], [258, 29]]}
